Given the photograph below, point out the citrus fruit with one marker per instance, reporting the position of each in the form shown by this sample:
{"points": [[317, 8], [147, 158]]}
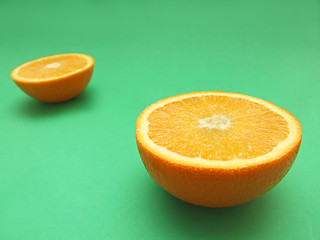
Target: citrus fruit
{"points": [[56, 78], [217, 149]]}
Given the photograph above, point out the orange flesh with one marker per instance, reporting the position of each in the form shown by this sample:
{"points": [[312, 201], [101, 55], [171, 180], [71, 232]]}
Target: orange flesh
{"points": [[254, 129], [52, 67]]}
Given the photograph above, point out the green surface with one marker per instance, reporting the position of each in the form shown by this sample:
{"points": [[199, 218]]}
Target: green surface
{"points": [[72, 171]]}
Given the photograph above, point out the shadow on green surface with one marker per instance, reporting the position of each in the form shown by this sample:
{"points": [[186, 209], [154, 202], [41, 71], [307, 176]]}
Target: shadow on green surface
{"points": [[245, 221], [35, 109]]}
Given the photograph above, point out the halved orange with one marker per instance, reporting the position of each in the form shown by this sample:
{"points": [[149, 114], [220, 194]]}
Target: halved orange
{"points": [[217, 149], [56, 78]]}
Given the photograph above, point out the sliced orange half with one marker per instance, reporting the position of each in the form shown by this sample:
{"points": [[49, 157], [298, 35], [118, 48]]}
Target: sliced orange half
{"points": [[217, 149], [56, 78]]}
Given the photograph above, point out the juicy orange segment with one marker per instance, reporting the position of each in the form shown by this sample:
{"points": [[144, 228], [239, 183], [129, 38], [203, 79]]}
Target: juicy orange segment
{"points": [[52, 67], [217, 149], [217, 128], [55, 78]]}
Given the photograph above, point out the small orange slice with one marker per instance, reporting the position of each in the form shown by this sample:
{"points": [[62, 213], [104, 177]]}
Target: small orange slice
{"points": [[56, 78], [217, 149]]}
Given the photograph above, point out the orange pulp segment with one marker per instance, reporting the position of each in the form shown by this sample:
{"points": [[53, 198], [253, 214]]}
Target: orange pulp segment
{"points": [[53, 67], [215, 127]]}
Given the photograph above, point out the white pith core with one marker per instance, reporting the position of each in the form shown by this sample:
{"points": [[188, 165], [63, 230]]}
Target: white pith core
{"points": [[53, 65], [216, 121]]}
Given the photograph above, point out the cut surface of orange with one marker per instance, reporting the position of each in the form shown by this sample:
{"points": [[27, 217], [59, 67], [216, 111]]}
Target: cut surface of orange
{"points": [[56, 78], [217, 149]]}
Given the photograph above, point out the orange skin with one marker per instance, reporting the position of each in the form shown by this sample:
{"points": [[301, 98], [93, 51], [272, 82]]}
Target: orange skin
{"points": [[216, 187], [57, 90]]}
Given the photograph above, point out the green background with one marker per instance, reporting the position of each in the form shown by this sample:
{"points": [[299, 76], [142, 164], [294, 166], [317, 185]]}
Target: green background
{"points": [[72, 170]]}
